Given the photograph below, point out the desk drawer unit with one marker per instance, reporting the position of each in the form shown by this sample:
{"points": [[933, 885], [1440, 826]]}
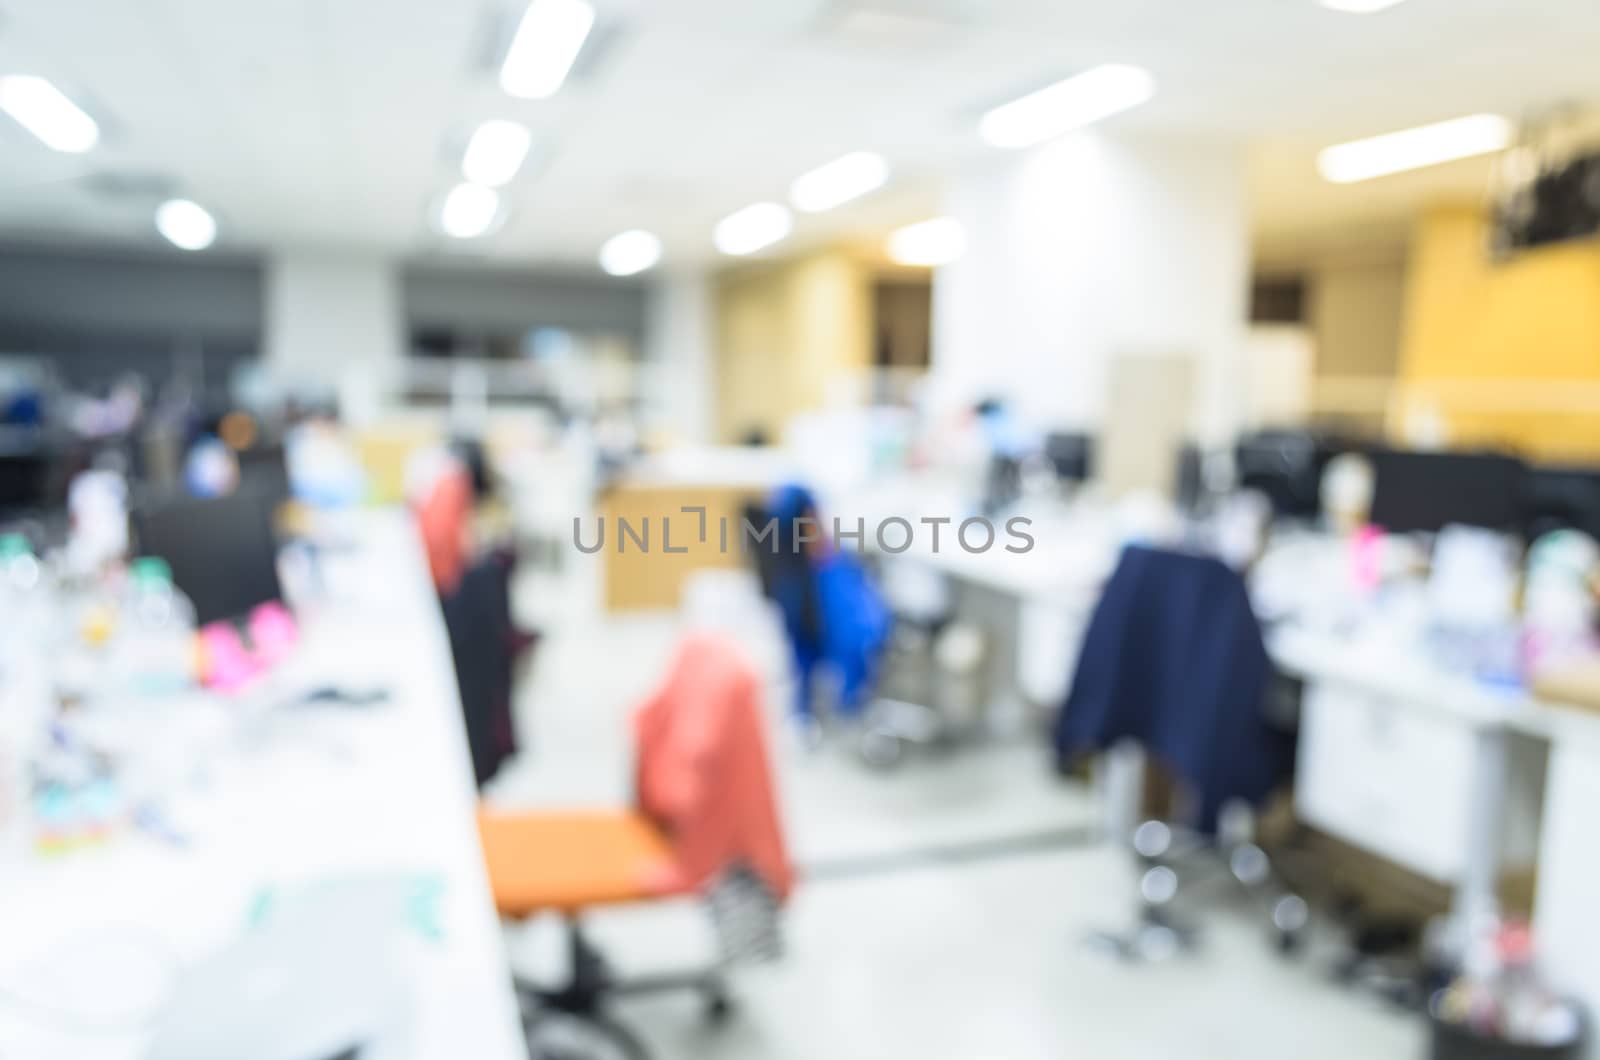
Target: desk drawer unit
{"points": [[1391, 780]]}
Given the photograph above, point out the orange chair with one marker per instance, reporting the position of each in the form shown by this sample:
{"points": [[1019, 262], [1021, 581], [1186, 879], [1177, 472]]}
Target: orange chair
{"points": [[705, 812]]}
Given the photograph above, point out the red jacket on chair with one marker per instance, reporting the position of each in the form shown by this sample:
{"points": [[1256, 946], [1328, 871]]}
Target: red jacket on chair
{"points": [[703, 773]]}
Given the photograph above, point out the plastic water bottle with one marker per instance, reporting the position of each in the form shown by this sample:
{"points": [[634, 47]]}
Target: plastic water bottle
{"points": [[24, 690], [155, 647]]}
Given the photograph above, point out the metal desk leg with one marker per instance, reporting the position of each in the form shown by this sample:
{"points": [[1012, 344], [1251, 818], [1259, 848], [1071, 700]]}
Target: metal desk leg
{"points": [[1477, 893]]}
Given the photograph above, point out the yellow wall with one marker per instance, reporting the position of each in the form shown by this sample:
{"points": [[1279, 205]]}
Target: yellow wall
{"points": [[790, 337], [1503, 353]]}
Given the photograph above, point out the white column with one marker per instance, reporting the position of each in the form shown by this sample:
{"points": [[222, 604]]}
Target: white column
{"points": [[678, 376], [1090, 247], [335, 324]]}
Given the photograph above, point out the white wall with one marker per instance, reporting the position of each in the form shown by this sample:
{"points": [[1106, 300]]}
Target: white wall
{"points": [[1088, 247], [678, 363], [335, 323]]}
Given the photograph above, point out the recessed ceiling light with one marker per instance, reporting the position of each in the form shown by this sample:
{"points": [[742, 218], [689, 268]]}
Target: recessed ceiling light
{"points": [[495, 152], [1427, 145], [629, 252], [546, 45], [468, 211], [1067, 105], [1360, 7], [44, 110], [752, 228], [938, 241], [848, 177], [186, 224]]}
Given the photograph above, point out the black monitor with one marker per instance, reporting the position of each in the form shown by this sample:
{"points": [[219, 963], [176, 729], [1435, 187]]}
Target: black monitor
{"points": [[1562, 497], [221, 550], [1286, 467], [1428, 491], [264, 471], [1071, 455]]}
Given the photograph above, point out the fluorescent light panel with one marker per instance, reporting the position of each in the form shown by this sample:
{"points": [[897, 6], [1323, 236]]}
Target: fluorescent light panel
{"points": [[546, 45], [186, 224], [44, 110], [1360, 7], [495, 153], [752, 228], [937, 241], [1066, 105], [629, 252], [848, 177], [468, 211], [1427, 145]]}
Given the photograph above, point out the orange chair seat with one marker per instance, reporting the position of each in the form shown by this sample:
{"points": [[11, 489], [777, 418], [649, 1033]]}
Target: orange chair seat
{"points": [[570, 860]]}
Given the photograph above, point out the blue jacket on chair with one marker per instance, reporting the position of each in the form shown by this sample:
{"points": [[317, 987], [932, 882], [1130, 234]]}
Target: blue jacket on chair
{"points": [[1174, 660], [832, 613]]}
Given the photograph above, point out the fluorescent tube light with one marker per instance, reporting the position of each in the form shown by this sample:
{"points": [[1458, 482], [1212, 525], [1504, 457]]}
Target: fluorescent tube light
{"points": [[752, 228], [848, 177], [186, 224], [629, 252], [468, 211], [546, 45], [44, 110], [495, 153], [1067, 105], [1427, 145], [938, 241], [1360, 7]]}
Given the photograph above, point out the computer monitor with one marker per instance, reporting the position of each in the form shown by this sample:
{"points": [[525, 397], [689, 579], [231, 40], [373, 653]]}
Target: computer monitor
{"points": [[264, 471], [1286, 467], [1562, 497], [24, 480], [1427, 491], [1071, 455], [221, 550]]}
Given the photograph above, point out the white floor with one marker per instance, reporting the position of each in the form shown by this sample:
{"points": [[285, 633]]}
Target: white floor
{"points": [[982, 959]]}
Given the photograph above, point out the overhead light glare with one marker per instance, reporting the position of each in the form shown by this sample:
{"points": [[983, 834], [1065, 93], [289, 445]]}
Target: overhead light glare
{"points": [[468, 211], [186, 224], [495, 153], [546, 45], [752, 228], [1066, 105], [630, 252], [937, 241], [1360, 7], [46, 112], [847, 177], [1427, 145]]}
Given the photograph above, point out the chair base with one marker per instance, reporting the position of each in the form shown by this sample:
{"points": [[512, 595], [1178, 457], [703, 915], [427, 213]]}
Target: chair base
{"points": [[591, 985]]}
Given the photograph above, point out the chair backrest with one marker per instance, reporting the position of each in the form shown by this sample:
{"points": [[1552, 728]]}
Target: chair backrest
{"points": [[703, 774], [1174, 660]]}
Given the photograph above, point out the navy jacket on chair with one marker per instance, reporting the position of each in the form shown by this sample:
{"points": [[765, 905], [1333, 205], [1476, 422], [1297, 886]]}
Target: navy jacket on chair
{"points": [[1174, 660]]}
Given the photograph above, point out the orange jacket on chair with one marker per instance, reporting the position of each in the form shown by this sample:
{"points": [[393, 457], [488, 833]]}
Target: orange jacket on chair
{"points": [[703, 773]]}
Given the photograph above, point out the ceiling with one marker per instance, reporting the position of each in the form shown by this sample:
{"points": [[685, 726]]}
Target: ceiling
{"points": [[336, 123]]}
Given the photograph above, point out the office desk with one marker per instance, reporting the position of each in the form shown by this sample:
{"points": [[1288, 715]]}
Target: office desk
{"points": [[1426, 768], [274, 797]]}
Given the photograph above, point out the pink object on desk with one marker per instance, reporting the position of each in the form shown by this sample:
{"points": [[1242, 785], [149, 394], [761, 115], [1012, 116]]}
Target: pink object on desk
{"points": [[228, 664], [1366, 558]]}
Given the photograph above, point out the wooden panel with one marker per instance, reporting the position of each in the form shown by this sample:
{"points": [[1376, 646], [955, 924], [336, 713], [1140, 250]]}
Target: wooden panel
{"points": [[640, 574]]}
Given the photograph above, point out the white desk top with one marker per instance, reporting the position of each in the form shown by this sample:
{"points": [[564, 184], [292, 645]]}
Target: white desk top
{"points": [[296, 796]]}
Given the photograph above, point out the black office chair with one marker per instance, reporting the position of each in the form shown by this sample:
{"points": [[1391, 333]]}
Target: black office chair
{"points": [[1174, 667]]}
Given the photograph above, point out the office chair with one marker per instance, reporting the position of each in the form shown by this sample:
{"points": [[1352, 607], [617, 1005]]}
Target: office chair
{"points": [[705, 822], [1173, 667]]}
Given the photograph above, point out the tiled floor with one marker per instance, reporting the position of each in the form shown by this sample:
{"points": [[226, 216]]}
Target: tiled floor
{"points": [[892, 956]]}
